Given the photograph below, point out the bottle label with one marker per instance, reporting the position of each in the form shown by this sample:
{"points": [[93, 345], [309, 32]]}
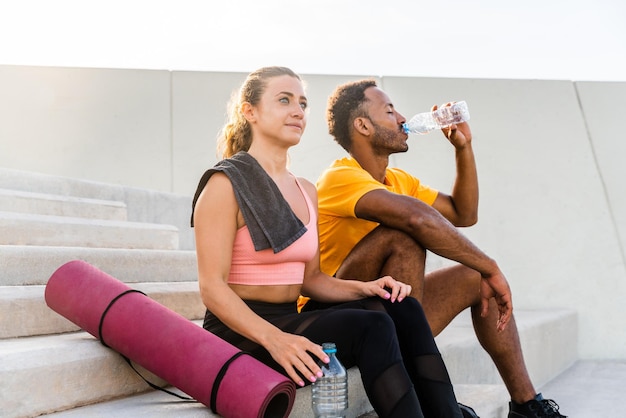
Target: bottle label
{"points": [[423, 123], [449, 115]]}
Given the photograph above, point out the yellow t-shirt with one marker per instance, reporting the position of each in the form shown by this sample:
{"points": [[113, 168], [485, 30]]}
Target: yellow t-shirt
{"points": [[339, 189]]}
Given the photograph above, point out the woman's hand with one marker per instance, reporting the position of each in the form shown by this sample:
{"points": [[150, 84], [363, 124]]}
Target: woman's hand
{"points": [[296, 354], [387, 288]]}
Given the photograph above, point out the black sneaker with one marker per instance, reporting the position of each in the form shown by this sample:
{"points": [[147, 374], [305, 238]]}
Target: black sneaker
{"points": [[535, 408], [467, 411]]}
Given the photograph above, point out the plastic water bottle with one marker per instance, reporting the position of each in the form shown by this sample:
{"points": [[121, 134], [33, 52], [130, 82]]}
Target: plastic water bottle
{"points": [[329, 393], [422, 123]]}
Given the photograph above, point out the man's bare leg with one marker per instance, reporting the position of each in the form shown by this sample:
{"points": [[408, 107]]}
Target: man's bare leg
{"points": [[386, 252], [449, 291], [444, 293]]}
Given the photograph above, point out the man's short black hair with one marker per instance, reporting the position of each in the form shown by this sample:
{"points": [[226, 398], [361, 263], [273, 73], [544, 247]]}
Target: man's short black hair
{"points": [[344, 105]]}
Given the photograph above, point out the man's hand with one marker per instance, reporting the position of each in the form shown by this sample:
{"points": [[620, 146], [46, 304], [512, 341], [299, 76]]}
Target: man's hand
{"points": [[496, 286], [460, 134]]}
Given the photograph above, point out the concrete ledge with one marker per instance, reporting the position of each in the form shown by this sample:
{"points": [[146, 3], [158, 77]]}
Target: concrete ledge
{"points": [[24, 313], [548, 339], [157, 404], [94, 373], [489, 401], [48, 204], [550, 344], [33, 265], [28, 229], [45, 374]]}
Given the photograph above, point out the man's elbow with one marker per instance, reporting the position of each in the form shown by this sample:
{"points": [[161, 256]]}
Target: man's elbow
{"points": [[465, 221]]}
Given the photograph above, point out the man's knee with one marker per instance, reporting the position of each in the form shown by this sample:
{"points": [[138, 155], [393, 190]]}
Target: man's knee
{"points": [[384, 251], [395, 239], [457, 287]]}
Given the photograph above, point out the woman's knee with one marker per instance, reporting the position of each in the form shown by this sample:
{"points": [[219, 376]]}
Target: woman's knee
{"points": [[381, 323], [377, 333], [360, 320], [409, 312]]}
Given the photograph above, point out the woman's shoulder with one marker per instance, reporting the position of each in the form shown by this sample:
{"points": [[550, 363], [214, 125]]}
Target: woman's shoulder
{"points": [[308, 187], [219, 180], [217, 185]]}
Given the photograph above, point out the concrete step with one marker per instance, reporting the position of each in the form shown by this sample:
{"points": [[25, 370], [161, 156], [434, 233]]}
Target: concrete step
{"points": [[24, 313], [490, 399], [548, 338], [158, 404], [57, 205], [33, 265], [31, 181], [44, 374], [143, 205], [48, 230], [33, 369]]}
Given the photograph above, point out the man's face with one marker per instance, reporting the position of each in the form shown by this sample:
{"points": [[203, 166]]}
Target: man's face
{"points": [[389, 137]]}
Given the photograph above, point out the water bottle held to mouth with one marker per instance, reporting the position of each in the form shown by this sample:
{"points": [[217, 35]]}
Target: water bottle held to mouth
{"points": [[422, 123]]}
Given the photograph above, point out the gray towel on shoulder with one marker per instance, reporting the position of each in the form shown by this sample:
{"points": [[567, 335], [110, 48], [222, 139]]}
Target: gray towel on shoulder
{"points": [[270, 220]]}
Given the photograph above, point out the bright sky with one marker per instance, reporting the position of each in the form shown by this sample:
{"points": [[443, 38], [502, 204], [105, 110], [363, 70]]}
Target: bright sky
{"points": [[530, 39]]}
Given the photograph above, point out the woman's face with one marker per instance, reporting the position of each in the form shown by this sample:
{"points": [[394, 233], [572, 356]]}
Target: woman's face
{"points": [[281, 113]]}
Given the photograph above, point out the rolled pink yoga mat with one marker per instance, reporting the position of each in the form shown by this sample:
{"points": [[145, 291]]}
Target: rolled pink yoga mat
{"points": [[167, 344]]}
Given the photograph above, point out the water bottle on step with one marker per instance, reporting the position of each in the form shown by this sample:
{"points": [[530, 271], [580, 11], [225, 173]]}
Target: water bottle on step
{"points": [[329, 393]]}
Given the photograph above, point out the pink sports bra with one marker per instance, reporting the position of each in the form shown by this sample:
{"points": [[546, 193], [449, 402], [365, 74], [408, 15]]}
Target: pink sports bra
{"points": [[250, 267]]}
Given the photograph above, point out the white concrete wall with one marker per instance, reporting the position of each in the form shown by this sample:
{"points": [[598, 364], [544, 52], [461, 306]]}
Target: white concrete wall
{"points": [[104, 125], [552, 209]]}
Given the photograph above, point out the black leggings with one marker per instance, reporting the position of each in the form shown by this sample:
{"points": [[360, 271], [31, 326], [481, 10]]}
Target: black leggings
{"points": [[391, 343]]}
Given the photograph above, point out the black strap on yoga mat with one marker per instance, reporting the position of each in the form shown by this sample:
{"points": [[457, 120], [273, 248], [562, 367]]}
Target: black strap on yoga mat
{"points": [[152, 385], [115, 299], [218, 379]]}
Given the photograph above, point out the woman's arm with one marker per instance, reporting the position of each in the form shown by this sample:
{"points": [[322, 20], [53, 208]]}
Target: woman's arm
{"points": [[216, 220], [325, 288]]}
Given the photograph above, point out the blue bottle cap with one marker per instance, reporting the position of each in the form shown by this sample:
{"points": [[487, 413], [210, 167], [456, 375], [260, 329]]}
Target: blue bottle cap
{"points": [[329, 348], [406, 128]]}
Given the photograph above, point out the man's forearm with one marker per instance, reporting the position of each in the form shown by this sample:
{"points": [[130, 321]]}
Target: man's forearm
{"points": [[438, 235], [425, 224], [465, 190]]}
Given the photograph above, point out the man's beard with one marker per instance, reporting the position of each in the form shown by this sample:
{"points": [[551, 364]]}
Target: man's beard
{"points": [[388, 140]]}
